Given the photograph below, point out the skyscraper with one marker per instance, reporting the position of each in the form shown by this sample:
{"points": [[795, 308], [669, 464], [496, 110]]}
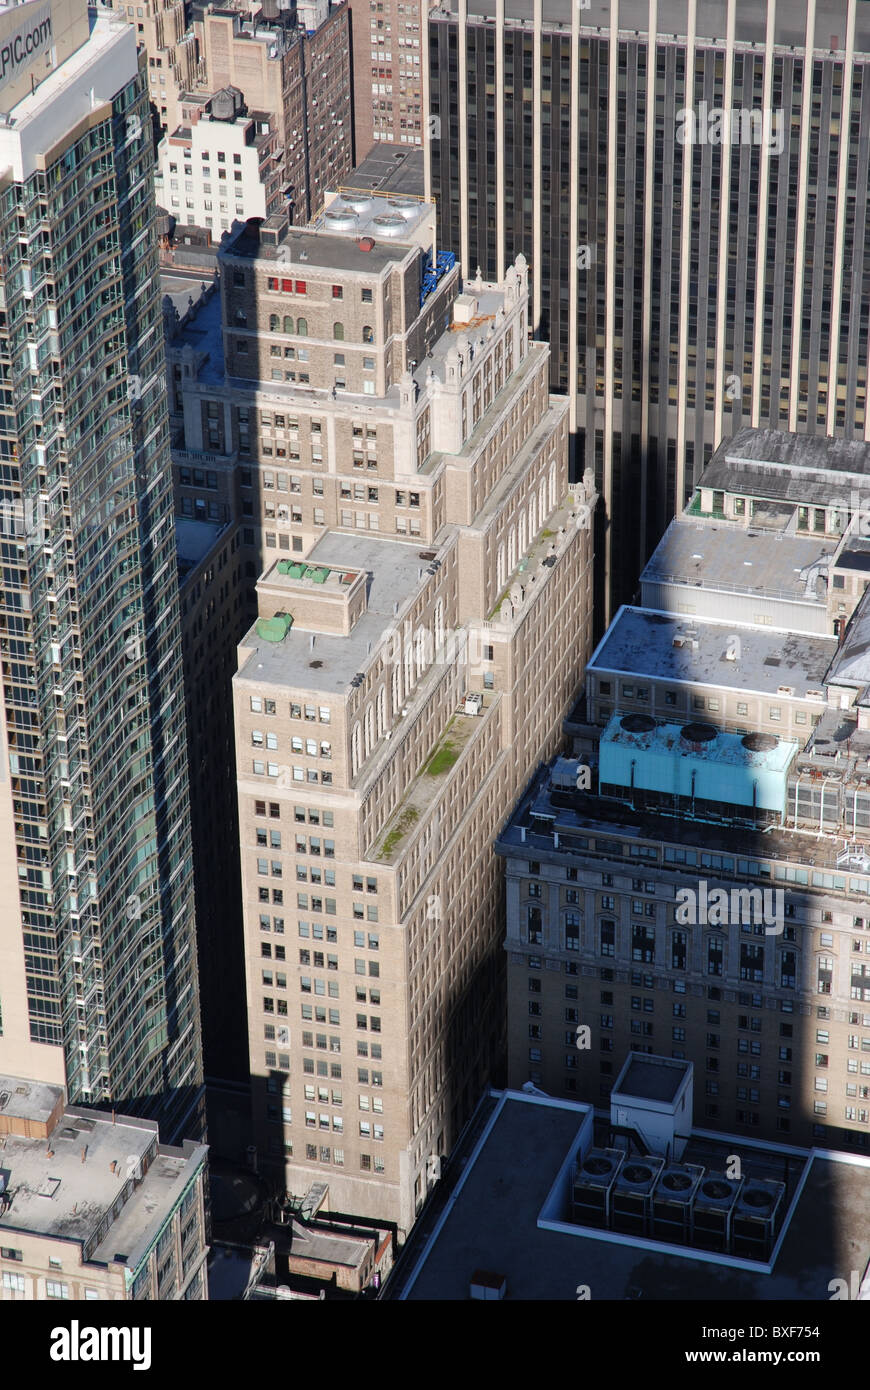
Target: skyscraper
{"points": [[98, 976], [412, 658], [694, 273]]}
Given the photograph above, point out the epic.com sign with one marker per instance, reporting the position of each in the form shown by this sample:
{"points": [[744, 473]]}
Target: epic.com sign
{"points": [[26, 38]]}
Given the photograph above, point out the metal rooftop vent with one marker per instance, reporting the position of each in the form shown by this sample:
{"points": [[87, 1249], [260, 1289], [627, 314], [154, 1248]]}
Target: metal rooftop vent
{"points": [[759, 743], [698, 733], [637, 723]]}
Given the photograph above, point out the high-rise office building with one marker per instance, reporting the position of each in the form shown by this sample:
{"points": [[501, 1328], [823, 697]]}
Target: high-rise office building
{"points": [[98, 974], [692, 195], [419, 640], [695, 880]]}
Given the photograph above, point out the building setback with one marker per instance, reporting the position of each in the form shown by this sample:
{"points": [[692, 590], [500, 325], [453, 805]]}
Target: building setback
{"points": [[98, 976], [695, 879], [692, 278], [397, 441]]}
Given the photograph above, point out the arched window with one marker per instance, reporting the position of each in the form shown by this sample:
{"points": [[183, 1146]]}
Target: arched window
{"points": [[273, 323], [409, 662], [533, 515], [397, 687], [512, 549], [552, 485], [368, 334], [370, 729], [500, 571], [338, 331], [523, 534], [354, 751], [302, 327], [423, 652], [288, 323], [382, 711], [439, 625], [544, 512]]}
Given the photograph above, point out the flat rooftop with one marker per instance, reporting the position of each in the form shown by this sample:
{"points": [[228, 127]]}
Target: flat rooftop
{"points": [[855, 555], [396, 572], [65, 1187], [490, 1221], [799, 469], [204, 333], [593, 828], [651, 1080], [332, 1247], [28, 1100], [323, 251], [640, 642], [160, 1189], [194, 540], [742, 561], [712, 21], [55, 1193], [182, 288], [389, 169]]}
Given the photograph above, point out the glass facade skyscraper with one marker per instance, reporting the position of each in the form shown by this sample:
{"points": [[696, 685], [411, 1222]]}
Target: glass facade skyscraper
{"points": [[97, 939], [692, 276]]}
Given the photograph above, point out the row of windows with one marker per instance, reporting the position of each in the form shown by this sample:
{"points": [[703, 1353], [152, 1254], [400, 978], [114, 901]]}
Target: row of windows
{"points": [[311, 713]]}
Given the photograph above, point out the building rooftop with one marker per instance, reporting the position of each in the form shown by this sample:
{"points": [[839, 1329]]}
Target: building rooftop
{"points": [[799, 469], [389, 169], [855, 555], [396, 572], [719, 556], [194, 540], [204, 333], [851, 665], [641, 643], [654, 1079], [57, 1192], [323, 250], [66, 1186], [588, 824], [789, 29], [28, 1100], [92, 75], [500, 1213]]}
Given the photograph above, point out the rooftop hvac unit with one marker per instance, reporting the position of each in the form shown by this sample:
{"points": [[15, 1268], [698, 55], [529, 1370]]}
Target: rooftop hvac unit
{"points": [[713, 1212], [673, 1201], [593, 1182], [756, 1217], [632, 1197], [473, 704]]}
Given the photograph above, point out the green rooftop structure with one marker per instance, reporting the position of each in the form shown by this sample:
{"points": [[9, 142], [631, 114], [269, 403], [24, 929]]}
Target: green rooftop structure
{"points": [[274, 629]]}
